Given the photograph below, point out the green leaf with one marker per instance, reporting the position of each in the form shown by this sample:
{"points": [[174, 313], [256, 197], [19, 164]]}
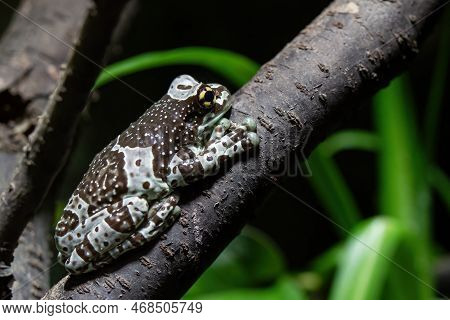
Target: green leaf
{"points": [[364, 264], [327, 261], [250, 260], [332, 190], [403, 188], [284, 288], [350, 140], [235, 67], [441, 183], [401, 159], [327, 180], [437, 85], [411, 281], [59, 206]]}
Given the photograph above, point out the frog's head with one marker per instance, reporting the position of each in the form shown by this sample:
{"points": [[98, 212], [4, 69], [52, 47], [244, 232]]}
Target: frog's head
{"points": [[201, 105]]}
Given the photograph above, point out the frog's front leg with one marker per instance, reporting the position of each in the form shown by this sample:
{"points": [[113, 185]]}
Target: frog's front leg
{"points": [[119, 224], [206, 162]]}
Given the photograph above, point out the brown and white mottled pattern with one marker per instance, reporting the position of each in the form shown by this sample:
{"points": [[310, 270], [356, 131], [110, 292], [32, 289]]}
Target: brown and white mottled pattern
{"points": [[126, 197]]}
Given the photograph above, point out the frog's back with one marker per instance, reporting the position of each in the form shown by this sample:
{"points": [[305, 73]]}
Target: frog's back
{"points": [[128, 166]]}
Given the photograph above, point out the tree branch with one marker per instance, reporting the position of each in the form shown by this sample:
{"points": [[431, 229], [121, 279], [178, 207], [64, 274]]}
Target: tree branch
{"points": [[352, 49], [48, 145], [33, 258], [29, 68]]}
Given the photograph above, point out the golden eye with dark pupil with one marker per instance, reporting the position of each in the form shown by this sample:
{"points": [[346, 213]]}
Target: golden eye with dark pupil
{"points": [[207, 97]]}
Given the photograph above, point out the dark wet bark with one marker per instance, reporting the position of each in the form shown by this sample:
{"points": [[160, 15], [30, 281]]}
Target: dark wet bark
{"points": [[347, 53]]}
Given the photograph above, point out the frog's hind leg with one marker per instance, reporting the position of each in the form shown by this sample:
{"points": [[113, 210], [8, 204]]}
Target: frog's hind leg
{"points": [[67, 242], [161, 215], [118, 225]]}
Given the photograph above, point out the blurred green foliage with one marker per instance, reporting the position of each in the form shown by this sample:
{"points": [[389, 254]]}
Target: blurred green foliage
{"points": [[365, 261], [232, 66], [387, 255], [251, 267]]}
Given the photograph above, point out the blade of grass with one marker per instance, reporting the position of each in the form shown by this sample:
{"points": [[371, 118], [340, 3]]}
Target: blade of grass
{"points": [[363, 267], [328, 182], [403, 190], [437, 86], [441, 183], [396, 168], [237, 68], [350, 140], [327, 261], [403, 285], [332, 190]]}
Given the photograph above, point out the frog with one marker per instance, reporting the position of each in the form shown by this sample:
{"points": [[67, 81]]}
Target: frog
{"points": [[130, 192]]}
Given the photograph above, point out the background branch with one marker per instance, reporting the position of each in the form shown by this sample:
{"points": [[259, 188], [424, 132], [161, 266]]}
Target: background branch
{"points": [[35, 169], [349, 51], [33, 258], [29, 70]]}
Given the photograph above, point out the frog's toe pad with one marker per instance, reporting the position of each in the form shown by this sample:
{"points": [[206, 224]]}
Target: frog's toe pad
{"points": [[225, 123], [253, 138], [250, 124], [176, 211]]}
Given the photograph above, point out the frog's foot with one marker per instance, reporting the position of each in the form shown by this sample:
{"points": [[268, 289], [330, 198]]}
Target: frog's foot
{"points": [[113, 229], [249, 124], [160, 215], [225, 126], [67, 241], [241, 139], [207, 162], [220, 130]]}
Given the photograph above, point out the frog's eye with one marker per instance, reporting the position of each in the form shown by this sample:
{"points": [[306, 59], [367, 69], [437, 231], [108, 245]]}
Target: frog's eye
{"points": [[206, 97]]}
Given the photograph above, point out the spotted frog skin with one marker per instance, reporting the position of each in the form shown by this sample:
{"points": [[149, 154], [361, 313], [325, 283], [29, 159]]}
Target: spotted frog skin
{"points": [[127, 198]]}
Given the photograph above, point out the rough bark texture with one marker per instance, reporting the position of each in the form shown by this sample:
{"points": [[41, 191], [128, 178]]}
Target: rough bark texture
{"points": [[29, 69], [27, 79], [30, 62], [33, 255], [352, 49], [33, 259]]}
